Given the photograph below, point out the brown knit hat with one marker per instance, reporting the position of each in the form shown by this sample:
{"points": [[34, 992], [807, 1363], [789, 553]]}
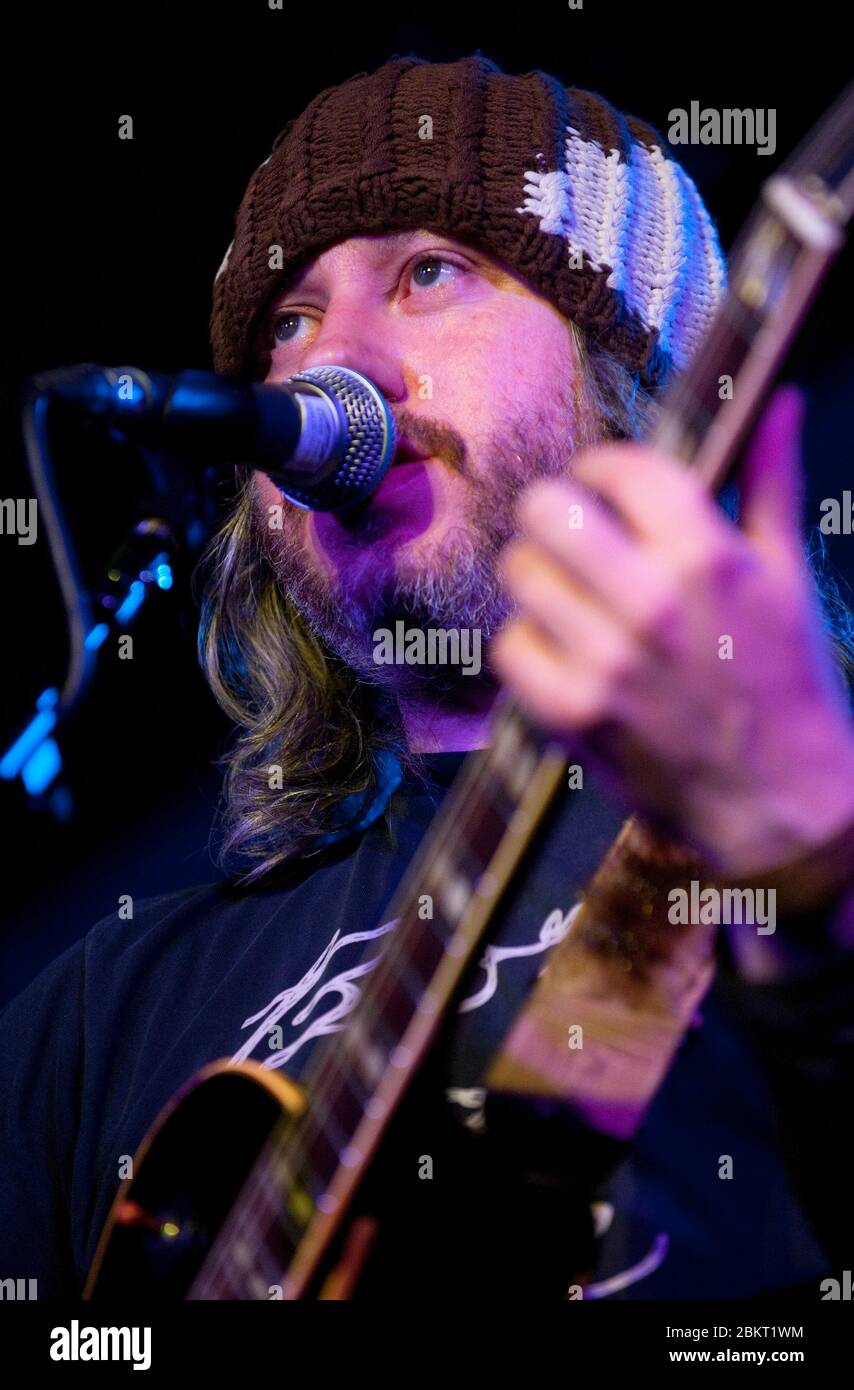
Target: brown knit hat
{"points": [[585, 204]]}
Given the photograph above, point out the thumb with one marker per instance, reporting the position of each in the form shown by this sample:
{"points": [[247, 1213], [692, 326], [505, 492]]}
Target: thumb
{"points": [[772, 476]]}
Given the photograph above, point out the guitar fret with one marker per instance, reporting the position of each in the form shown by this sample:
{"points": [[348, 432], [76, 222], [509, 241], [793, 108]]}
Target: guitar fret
{"points": [[502, 751], [283, 1225], [682, 431], [519, 774], [423, 939], [473, 849], [222, 1287], [346, 1107], [453, 887], [340, 1121], [323, 1153], [411, 980], [369, 1058], [397, 1007], [494, 816]]}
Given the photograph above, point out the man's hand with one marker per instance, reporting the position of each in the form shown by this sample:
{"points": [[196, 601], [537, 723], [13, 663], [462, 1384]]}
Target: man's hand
{"points": [[684, 653]]}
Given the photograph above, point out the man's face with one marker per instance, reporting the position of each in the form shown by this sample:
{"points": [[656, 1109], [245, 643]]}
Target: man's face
{"points": [[481, 375]]}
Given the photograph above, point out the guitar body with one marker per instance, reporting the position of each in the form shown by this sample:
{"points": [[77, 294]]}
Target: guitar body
{"points": [[478, 1212], [188, 1174]]}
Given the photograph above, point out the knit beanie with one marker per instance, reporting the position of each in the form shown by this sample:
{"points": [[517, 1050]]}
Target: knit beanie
{"points": [[585, 204]]}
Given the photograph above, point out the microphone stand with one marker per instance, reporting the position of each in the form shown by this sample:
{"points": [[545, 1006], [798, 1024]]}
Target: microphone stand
{"points": [[181, 521]]}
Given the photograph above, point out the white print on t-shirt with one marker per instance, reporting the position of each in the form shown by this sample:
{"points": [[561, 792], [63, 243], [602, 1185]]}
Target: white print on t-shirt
{"points": [[344, 986], [329, 1022], [553, 930]]}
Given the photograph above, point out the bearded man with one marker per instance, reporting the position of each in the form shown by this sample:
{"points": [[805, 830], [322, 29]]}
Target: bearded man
{"points": [[520, 270]]}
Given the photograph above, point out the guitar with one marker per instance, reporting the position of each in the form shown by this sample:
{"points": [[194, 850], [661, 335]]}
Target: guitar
{"points": [[280, 1209]]}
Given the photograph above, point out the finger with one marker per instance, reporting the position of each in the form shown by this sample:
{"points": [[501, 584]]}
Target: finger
{"points": [[564, 612], [595, 550], [656, 497], [558, 693]]}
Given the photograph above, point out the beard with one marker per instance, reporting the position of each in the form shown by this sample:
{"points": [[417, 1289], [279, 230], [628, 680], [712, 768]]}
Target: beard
{"points": [[453, 583]]}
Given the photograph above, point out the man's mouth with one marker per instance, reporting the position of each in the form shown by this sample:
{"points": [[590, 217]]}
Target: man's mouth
{"points": [[409, 469], [407, 452], [402, 505], [401, 477]]}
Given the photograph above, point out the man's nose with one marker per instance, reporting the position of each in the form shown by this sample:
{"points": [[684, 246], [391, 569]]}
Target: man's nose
{"points": [[352, 335]]}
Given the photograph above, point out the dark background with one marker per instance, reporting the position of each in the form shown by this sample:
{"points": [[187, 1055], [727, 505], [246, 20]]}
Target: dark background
{"points": [[113, 252]]}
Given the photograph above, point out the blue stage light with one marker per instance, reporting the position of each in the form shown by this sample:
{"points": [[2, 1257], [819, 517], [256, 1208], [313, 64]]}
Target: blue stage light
{"points": [[132, 602], [39, 771], [27, 743], [96, 637]]}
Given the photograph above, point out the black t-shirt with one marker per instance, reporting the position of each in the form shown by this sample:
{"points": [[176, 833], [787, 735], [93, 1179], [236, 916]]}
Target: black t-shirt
{"points": [[103, 1038]]}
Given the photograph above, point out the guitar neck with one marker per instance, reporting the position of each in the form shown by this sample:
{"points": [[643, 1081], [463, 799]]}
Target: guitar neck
{"points": [[778, 266], [440, 915]]}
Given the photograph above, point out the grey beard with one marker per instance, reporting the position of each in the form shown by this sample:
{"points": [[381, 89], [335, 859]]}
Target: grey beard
{"points": [[461, 588]]}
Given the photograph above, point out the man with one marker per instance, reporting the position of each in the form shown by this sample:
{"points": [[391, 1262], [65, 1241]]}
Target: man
{"points": [[520, 270]]}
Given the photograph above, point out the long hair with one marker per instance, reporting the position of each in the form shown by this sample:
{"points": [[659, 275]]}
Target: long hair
{"points": [[308, 730]]}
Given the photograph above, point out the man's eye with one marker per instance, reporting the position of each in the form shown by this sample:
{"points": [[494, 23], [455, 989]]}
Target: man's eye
{"points": [[433, 270], [428, 273], [286, 327]]}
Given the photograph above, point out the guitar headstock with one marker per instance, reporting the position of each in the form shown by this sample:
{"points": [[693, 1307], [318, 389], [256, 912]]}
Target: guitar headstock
{"points": [[822, 165]]}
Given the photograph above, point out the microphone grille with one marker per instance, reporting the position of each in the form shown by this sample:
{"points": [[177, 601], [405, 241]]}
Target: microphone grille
{"points": [[371, 435]]}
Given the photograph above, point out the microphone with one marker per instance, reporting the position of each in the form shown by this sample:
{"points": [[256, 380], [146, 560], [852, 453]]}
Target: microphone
{"points": [[325, 436]]}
